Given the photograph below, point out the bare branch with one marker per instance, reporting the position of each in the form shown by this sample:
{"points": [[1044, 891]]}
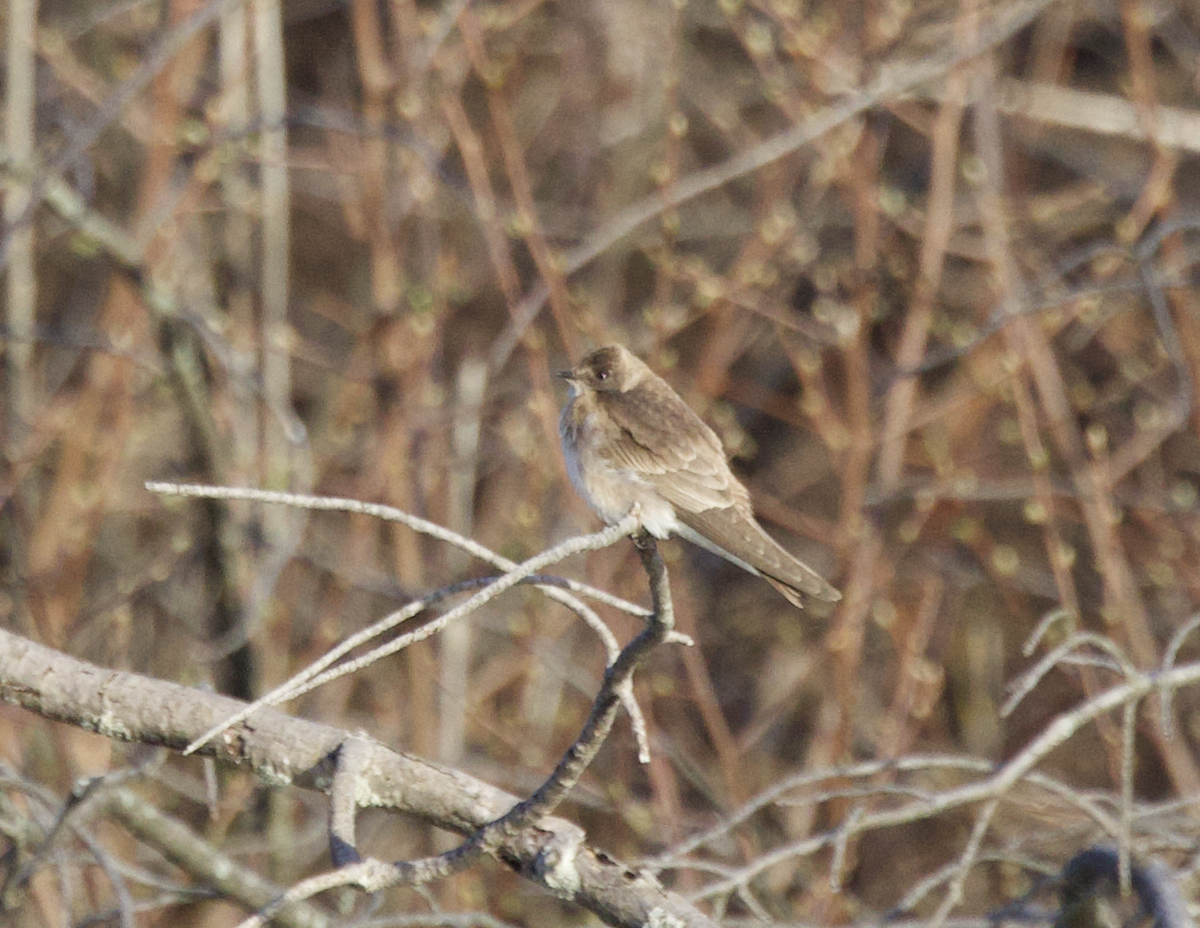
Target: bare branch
{"points": [[559, 859], [287, 751]]}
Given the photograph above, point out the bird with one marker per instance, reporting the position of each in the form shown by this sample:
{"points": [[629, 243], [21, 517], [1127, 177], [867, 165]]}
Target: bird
{"points": [[632, 443]]}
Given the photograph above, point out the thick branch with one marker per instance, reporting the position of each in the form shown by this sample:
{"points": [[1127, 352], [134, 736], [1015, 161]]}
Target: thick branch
{"points": [[285, 751]]}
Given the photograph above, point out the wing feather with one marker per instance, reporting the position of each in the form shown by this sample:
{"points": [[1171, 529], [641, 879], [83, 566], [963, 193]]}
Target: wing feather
{"points": [[663, 442]]}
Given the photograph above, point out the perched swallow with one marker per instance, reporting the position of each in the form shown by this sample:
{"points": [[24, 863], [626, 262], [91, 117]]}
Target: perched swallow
{"points": [[630, 441]]}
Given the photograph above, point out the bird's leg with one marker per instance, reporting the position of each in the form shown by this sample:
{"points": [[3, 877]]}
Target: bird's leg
{"points": [[643, 540], [636, 511]]}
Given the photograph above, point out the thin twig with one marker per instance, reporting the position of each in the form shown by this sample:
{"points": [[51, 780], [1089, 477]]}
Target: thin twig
{"points": [[507, 581]]}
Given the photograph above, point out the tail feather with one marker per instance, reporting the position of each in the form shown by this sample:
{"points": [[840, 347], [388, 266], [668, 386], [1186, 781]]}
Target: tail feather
{"points": [[715, 531]]}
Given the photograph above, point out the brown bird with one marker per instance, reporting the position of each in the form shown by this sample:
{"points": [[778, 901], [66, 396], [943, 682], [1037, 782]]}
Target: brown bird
{"points": [[630, 440]]}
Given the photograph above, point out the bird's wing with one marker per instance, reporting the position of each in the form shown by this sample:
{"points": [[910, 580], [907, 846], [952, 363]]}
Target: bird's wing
{"points": [[660, 439]]}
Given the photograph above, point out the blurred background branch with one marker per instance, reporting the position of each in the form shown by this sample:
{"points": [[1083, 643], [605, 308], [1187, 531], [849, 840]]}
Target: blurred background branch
{"points": [[927, 267]]}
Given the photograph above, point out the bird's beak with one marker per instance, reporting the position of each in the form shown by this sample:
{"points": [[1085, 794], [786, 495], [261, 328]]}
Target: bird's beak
{"points": [[566, 375]]}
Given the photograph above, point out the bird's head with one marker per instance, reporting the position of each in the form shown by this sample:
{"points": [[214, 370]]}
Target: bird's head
{"points": [[611, 369]]}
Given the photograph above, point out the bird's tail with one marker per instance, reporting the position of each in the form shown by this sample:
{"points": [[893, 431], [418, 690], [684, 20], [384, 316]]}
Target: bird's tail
{"points": [[773, 562]]}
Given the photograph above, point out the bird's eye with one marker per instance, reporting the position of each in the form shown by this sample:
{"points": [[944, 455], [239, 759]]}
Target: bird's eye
{"points": [[602, 375]]}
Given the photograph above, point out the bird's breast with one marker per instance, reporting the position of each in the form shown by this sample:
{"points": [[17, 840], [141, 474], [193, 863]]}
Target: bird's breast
{"points": [[611, 492]]}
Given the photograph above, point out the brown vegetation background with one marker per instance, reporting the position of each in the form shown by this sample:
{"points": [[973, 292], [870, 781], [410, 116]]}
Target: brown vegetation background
{"points": [[926, 267]]}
